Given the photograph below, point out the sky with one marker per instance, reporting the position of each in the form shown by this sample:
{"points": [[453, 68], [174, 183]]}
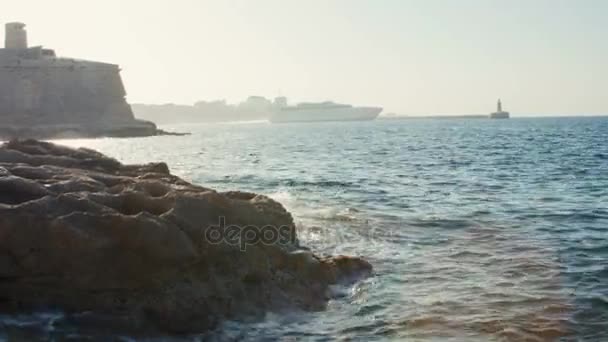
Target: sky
{"points": [[412, 57]]}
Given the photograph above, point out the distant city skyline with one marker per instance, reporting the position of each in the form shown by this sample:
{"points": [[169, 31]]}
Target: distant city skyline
{"points": [[412, 57]]}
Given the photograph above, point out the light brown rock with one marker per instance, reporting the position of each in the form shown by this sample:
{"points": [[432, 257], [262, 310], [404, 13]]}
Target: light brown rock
{"points": [[80, 232]]}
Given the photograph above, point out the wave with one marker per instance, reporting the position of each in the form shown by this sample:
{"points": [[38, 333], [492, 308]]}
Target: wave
{"points": [[301, 209], [269, 183]]}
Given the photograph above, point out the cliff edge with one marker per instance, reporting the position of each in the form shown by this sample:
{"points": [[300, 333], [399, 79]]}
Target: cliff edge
{"points": [[43, 96], [81, 232]]}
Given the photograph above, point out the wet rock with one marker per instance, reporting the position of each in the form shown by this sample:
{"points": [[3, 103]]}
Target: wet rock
{"points": [[81, 232]]}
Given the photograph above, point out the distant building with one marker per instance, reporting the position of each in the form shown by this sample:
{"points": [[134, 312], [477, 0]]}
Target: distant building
{"points": [[256, 104], [499, 113], [253, 108], [41, 93]]}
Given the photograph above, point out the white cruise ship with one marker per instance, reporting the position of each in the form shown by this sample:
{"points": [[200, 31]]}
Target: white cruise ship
{"points": [[322, 111]]}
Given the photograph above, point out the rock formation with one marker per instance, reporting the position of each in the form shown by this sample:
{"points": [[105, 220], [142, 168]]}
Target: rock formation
{"points": [[43, 96], [81, 232]]}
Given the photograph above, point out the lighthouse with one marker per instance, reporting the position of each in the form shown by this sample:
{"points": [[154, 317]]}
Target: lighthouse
{"points": [[499, 114]]}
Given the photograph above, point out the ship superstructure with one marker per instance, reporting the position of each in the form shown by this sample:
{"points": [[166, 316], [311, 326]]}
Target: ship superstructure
{"points": [[320, 111]]}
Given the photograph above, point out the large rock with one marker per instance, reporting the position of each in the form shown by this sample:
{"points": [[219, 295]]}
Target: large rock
{"points": [[83, 233]]}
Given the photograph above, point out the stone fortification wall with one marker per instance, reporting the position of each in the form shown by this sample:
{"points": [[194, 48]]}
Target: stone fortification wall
{"points": [[59, 91], [45, 97]]}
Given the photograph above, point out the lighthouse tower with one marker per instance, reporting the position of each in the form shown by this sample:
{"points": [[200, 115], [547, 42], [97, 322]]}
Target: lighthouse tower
{"points": [[499, 114]]}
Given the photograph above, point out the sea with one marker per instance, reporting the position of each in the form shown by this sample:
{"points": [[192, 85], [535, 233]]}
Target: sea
{"points": [[478, 229]]}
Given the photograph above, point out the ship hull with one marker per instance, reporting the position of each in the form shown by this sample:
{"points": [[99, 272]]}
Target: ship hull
{"points": [[321, 115]]}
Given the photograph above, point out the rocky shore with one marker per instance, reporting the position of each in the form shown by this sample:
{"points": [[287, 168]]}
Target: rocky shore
{"points": [[82, 233], [135, 128]]}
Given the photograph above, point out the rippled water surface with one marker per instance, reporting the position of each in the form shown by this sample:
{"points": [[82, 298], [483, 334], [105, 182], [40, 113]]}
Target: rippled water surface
{"points": [[479, 230]]}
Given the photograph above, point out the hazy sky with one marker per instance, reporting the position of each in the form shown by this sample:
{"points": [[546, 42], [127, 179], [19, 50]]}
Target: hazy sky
{"points": [[409, 56]]}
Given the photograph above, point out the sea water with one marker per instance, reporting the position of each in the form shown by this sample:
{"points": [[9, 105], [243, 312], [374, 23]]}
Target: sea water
{"points": [[478, 230]]}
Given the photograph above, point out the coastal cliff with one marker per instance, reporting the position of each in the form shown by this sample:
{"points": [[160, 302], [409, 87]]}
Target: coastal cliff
{"points": [[81, 232], [43, 96]]}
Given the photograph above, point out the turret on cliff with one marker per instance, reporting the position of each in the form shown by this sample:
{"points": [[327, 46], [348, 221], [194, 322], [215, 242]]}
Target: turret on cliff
{"points": [[43, 96], [16, 36]]}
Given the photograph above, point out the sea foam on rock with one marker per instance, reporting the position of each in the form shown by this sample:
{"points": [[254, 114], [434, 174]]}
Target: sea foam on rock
{"points": [[81, 232]]}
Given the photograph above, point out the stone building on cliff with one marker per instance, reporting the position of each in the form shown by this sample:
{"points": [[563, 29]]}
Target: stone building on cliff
{"points": [[43, 96]]}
